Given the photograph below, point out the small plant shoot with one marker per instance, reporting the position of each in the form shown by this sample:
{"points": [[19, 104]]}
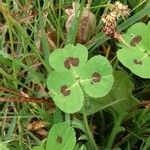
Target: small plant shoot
{"points": [[135, 53], [74, 76]]}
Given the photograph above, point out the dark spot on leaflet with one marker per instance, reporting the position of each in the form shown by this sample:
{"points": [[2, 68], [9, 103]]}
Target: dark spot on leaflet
{"points": [[96, 77], [71, 61], [67, 64], [137, 62], [64, 90], [74, 61], [135, 40], [59, 139]]}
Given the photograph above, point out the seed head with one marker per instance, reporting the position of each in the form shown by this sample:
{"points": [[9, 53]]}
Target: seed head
{"points": [[110, 19]]}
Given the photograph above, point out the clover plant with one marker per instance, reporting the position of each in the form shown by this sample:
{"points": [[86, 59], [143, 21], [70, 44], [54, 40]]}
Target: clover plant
{"points": [[135, 54], [74, 77]]}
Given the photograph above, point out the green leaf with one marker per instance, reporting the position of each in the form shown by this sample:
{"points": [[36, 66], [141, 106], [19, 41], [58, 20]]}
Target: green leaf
{"points": [[136, 60], [96, 77], [135, 55], [120, 97], [3, 146], [38, 148], [61, 137], [122, 90], [68, 58], [66, 92], [134, 35]]}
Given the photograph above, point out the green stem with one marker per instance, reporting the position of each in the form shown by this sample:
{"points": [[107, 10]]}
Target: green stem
{"points": [[67, 118], [89, 133], [116, 129]]}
